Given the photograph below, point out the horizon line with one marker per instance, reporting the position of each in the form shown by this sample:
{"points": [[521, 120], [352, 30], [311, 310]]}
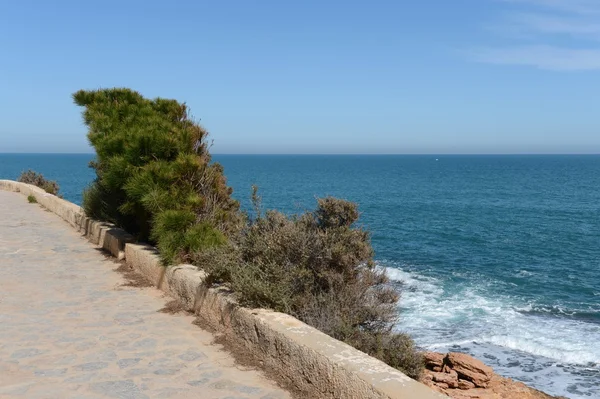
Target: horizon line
{"points": [[337, 154]]}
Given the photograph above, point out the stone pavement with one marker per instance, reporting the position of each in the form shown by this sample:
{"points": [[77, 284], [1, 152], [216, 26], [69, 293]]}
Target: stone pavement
{"points": [[70, 329]]}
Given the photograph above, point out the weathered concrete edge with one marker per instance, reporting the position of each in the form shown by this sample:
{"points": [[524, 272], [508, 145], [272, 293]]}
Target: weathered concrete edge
{"points": [[105, 235], [309, 360]]}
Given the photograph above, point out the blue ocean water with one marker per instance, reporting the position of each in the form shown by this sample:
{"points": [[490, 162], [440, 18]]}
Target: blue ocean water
{"points": [[71, 171], [499, 256]]}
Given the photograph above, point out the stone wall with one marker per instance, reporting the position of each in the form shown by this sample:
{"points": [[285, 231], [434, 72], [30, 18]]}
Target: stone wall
{"points": [[311, 362]]}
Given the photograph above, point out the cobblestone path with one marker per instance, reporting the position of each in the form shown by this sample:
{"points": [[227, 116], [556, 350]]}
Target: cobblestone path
{"points": [[70, 329]]}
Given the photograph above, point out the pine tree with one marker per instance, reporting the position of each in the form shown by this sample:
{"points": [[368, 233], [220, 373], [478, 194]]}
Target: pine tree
{"points": [[154, 175]]}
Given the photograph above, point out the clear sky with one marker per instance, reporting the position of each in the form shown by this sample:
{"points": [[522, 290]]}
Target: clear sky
{"points": [[326, 76]]}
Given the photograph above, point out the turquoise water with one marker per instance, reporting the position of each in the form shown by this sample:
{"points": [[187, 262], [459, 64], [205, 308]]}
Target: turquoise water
{"points": [[499, 255]]}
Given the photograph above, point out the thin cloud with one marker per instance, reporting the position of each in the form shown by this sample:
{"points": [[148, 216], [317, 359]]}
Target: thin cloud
{"points": [[571, 6], [542, 57], [541, 24], [559, 35]]}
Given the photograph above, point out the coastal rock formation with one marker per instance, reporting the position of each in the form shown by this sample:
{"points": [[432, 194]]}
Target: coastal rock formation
{"points": [[461, 376], [469, 369]]}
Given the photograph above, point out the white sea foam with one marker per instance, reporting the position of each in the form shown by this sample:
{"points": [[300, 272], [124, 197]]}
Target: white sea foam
{"points": [[565, 352], [524, 273], [519, 340]]}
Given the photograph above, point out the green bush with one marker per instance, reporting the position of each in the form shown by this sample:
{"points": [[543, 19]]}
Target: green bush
{"points": [[155, 178], [37, 179], [31, 199], [318, 268], [154, 175]]}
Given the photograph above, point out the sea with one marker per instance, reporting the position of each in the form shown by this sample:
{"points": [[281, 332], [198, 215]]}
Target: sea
{"points": [[497, 256]]}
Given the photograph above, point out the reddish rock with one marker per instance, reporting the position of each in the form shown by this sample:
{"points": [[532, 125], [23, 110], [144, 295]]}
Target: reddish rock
{"points": [[460, 388], [433, 359], [469, 368], [451, 379], [472, 395], [464, 384]]}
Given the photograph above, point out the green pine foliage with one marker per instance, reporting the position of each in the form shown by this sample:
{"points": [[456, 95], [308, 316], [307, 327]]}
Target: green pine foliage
{"points": [[155, 178], [154, 175]]}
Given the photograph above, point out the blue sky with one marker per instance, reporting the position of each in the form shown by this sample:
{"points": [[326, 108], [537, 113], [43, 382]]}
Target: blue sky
{"points": [[271, 76]]}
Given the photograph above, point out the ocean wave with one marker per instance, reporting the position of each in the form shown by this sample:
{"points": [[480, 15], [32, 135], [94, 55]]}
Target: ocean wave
{"points": [[443, 316], [564, 352], [449, 344], [587, 312]]}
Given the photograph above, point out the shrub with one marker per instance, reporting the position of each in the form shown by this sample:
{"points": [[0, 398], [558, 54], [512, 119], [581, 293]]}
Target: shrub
{"points": [[31, 199], [37, 179], [155, 178], [154, 175], [318, 268]]}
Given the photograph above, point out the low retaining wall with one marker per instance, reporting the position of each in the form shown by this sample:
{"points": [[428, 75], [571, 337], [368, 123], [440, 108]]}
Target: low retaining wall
{"points": [[310, 361], [105, 235]]}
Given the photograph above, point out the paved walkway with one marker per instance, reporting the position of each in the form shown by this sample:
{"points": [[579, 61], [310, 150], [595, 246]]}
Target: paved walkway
{"points": [[70, 329]]}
